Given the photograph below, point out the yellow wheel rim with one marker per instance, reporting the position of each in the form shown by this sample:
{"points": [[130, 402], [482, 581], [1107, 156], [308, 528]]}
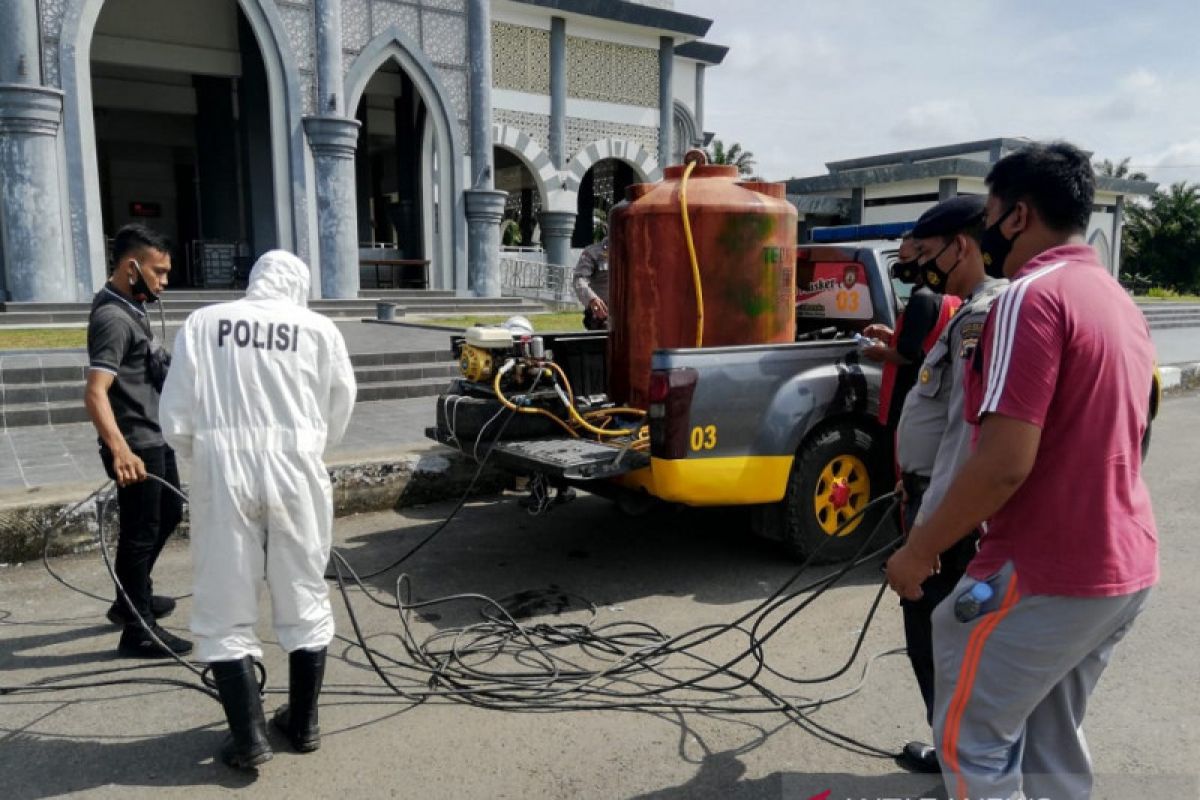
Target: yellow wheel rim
{"points": [[843, 474]]}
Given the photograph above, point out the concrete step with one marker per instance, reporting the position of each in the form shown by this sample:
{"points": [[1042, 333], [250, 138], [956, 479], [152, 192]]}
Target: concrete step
{"points": [[23, 377], [21, 393], [26, 415], [399, 390], [18, 376], [400, 357], [392, 373], [356, 310]]}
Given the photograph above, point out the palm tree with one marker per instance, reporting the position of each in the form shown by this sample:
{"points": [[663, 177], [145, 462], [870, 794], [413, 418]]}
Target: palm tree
{"points": [[1108, 169], [1162, 237], [735, 155]]}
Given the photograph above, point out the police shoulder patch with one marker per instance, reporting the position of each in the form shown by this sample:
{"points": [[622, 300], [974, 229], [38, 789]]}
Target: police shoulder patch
{"points": [[971, 331]]}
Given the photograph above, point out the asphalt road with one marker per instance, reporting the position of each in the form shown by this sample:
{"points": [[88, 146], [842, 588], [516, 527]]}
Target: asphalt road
{"points": [[675, 571]]}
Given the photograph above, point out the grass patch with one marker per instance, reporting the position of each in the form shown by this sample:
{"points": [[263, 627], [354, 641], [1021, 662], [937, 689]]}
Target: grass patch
{"points": [[42, 338], [1178, 298], [548, 322]]}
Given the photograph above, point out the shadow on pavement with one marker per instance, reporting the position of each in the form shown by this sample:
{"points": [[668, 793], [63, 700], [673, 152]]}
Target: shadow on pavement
{"points": [[50, 766], [721, 776]]}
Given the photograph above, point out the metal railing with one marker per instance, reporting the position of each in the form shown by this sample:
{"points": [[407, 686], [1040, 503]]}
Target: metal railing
{"points": [[536, 280]]}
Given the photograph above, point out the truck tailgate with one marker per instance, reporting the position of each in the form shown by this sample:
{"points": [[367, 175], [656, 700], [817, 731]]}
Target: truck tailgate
{"points": [[560, 457]]}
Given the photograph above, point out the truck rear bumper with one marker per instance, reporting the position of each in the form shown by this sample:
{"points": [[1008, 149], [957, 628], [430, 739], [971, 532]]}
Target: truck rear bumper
{"points": [[722, 481]]}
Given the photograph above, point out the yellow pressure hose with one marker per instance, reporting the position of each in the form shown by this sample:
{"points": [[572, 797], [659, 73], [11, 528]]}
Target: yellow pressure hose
{"points": [[691, 246]]}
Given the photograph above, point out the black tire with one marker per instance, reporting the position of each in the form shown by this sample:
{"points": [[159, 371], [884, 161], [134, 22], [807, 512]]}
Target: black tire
{"points": [[797, 522]]}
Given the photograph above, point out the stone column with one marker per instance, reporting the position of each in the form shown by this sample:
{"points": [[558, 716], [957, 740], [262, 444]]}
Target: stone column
{"points": [[558, 93], [700, 104], [557, 227], [333, 141], [666, 101], [333, 138], [484, 204], [31, 210]]}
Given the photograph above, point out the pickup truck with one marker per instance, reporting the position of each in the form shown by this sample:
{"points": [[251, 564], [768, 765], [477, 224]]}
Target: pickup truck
{"points": [[788, 432]]}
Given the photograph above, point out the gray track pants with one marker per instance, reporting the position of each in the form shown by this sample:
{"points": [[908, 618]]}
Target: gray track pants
{"points": [[1012, 688]]}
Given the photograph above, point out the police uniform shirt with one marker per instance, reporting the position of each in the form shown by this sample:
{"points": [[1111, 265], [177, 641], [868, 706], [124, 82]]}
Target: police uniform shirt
{"points": [[933, 438], [591, 273]]}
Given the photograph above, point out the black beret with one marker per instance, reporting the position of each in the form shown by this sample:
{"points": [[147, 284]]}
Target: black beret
{"points": [[950, 216]]}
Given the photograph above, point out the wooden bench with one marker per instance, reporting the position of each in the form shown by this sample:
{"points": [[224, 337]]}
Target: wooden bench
{"points": [[393, 269]]}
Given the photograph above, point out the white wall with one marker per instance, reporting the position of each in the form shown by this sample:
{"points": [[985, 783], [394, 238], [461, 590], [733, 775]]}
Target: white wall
{"points": [[683, 79]]}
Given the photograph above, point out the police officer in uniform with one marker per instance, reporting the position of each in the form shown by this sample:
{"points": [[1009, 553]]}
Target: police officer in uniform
{"points": [[933, 439], [591, 285]]}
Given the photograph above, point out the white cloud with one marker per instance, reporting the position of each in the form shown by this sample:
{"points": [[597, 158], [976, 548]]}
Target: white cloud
{"points": [[1135, 95], [935, 121]]}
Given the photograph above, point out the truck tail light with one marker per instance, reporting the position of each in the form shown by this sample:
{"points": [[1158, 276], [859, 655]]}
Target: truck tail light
{"points": [[670, 411]]}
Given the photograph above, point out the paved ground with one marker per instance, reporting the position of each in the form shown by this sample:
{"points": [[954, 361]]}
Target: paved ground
{"points": [[58, 455], [675, 571]]}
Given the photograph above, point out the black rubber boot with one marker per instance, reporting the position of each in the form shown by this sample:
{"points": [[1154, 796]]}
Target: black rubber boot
{"points": [[298, 719], [247, 745]]}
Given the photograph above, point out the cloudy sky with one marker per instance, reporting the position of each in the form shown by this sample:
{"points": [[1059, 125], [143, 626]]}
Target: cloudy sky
{"points": [[810, 81]]}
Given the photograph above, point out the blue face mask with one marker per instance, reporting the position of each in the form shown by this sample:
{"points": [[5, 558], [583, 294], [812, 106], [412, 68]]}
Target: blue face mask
{"points": [[995, 247]]}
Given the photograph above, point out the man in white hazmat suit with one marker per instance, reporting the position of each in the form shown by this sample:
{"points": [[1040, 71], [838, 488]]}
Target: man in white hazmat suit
{"points": [[258, 388]]}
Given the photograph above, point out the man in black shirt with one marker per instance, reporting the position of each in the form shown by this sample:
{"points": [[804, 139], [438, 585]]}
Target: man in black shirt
{"points": [[903, 350], [126, 370]]}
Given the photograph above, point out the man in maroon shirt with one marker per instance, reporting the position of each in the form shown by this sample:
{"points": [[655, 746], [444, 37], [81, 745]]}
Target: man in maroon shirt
{"points": [[1070, 550]]}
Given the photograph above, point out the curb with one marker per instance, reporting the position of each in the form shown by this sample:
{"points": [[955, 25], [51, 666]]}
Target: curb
{"points": [[1179, 378], [416, 477]]}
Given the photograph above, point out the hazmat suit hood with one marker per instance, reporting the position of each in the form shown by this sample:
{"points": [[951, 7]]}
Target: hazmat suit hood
{"points": [[279, 275]]}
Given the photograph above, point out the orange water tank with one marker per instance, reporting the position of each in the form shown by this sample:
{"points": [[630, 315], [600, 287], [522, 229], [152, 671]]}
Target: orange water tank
{"points": [[745, 239]]}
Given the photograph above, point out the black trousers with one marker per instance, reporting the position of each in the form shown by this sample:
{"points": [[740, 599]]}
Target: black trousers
{"points": [[149, 513], [918, 628]]}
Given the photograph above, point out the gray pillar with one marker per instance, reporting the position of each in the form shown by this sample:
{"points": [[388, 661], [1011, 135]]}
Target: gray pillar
{"points": [[333, 141], [666, 102], [333, 138], [30, 202], [857, 205], [1117, 231], [485, 209], [484, 205], [328, 15], [700, 103], [557, 227], [947, 188], [558, 92]]}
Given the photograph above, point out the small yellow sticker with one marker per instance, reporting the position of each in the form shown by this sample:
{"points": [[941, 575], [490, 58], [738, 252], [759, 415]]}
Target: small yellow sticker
{"points": [[925, 375]]}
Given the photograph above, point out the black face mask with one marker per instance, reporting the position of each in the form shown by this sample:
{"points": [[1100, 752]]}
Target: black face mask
{"points": [[936, 278], [995, 247], [906, 271], [140, 289]]}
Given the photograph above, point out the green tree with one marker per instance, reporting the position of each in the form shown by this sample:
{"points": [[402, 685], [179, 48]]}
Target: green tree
{"points": [[1162, 237], [734, 155], [1120, 169]]}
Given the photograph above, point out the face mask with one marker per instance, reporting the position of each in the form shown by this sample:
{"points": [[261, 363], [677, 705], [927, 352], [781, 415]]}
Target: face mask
{"points": [[140, 289], [995, 247], [906, 271], [935, 277]]}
